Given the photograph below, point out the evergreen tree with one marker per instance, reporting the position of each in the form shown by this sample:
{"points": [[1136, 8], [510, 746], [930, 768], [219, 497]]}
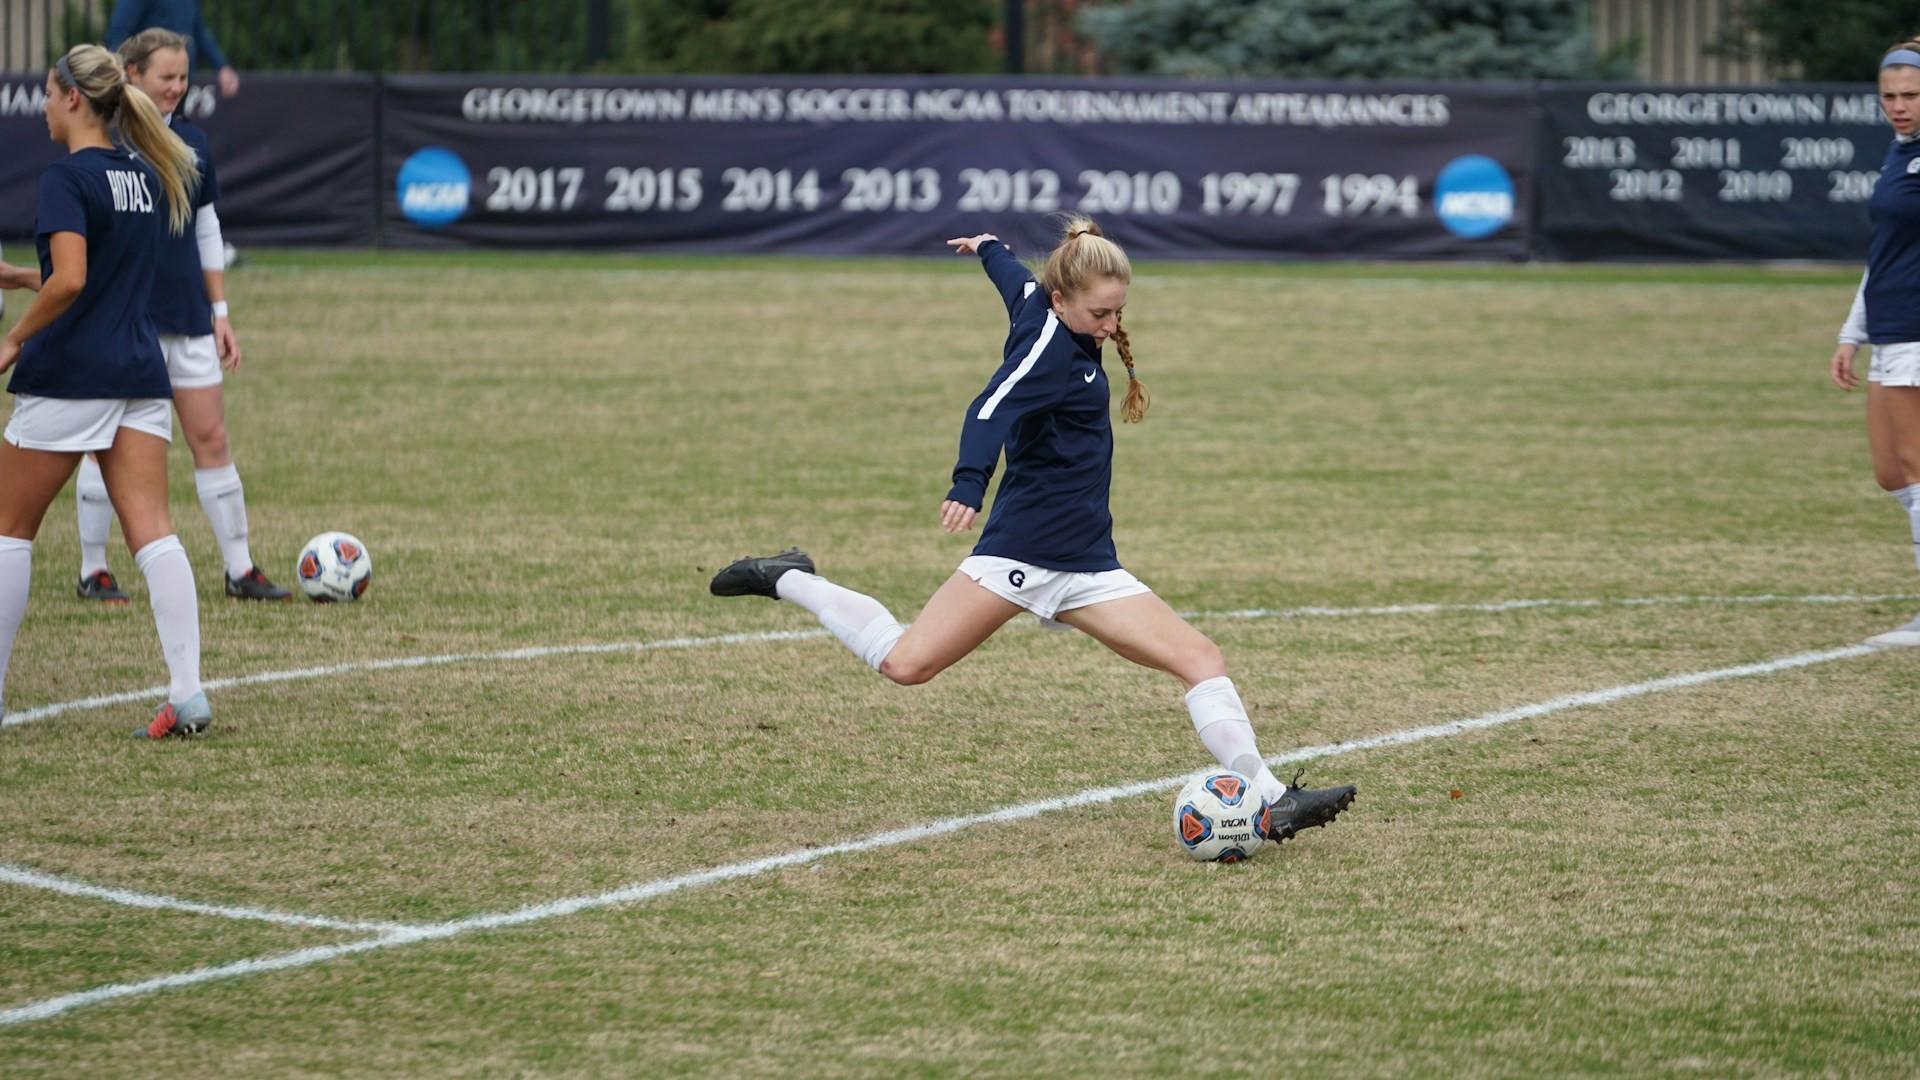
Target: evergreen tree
{"points": [[1819, 40], [1349, 39]]}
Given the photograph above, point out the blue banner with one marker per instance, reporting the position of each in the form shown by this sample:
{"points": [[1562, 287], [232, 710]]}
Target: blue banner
{"points": [[295, 156], [895, 165], [1714, 172]]}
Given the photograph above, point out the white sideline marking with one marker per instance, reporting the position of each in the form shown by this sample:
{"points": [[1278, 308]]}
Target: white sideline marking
{"points": [[34, 879], [1527, 605], [154, 693], [646, 890]]}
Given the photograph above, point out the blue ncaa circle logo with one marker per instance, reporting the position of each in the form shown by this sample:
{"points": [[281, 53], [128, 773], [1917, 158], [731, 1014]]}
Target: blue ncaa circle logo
{"points": [[433, 187], [1473, 196]]}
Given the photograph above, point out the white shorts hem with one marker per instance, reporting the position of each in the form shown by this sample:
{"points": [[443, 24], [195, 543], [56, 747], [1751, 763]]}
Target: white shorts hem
{"points": [[1046, 593]]}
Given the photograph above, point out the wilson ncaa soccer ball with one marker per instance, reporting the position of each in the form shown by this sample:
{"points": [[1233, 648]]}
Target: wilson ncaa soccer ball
{"points": [[334, 566], [1220, 817]]}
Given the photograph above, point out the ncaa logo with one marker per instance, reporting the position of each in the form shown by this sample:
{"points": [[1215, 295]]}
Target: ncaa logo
{"points": [[433, 187], [1473, 196]]}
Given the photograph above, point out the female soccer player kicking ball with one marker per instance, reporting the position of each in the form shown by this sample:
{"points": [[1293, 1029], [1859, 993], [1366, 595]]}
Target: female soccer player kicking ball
{"points": [[1047, 547]]}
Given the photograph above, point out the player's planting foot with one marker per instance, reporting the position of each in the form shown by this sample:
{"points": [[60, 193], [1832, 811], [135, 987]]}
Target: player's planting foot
{"points": [[190, 717], [1305, 808], [253, 585], [756, 577], [1904, 636], [101, 587]]}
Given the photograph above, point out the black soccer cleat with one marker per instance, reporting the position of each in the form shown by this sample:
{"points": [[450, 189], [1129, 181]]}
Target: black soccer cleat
{"points": [[253, 585], [1305, 808], [756, 577], [100, 586]]}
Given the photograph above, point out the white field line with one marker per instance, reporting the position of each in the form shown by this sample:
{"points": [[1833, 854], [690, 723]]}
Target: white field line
{"points": [[154, 693], [33, 879], [647, 890]]}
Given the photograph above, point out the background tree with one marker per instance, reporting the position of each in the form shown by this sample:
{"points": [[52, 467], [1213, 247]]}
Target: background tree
{"points": [[1350, 39], [811, 37], [1818, 40]]}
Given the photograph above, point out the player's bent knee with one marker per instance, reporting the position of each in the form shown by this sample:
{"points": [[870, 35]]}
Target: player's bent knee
{"points": [[908, 672], [1201, 663], [209, 442]]}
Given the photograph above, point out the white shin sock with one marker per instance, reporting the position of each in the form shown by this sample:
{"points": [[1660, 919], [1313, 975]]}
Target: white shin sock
{"points": [[1909, 497], [1221, 722], [176, 613], [16, 574], [862, 623], [225, 504], [95, 510]]}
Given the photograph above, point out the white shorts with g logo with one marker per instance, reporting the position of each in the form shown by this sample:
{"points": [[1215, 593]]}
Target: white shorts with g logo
{"points": [[79, 425], [192, 362], [1046, 592]]}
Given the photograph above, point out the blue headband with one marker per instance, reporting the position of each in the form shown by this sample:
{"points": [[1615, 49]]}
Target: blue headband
{"points": [[1901, 58], [66, 73]]}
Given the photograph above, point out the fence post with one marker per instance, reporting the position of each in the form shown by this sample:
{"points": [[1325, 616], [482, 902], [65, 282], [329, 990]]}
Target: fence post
{"points": [[1013, 27], [596, 31]]}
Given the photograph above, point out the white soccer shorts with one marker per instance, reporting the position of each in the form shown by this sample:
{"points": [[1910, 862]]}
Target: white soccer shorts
{"points": [[83, 425], [1046, 592], [192, 362]]}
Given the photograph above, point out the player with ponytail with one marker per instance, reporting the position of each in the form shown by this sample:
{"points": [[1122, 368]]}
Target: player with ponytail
{"points": [[1047, 548], [88, 376], [196, 336]]}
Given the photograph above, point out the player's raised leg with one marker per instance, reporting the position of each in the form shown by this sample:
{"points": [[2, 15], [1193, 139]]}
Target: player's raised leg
{"points": [[959, 617]]}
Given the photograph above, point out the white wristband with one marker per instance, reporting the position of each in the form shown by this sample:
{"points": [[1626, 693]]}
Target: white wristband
{"points": [[219, 309]]}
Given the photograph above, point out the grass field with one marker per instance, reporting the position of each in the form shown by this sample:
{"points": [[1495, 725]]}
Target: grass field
{"points": [[498, 856]]}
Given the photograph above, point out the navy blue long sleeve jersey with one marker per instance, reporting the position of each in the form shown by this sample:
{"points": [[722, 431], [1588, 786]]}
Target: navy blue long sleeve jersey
{"points": [[1893, 253], [1048, 407]]}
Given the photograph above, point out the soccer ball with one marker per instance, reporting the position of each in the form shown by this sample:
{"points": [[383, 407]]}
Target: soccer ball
{"points": [[334, 566], [1220, 817]]}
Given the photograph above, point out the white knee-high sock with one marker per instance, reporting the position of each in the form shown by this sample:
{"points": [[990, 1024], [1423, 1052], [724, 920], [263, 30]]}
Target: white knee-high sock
{"points": [[96, 516], [176, 613], [1909, 498], [226, 507], [861, 623], [16, 573], [1221, 721]]}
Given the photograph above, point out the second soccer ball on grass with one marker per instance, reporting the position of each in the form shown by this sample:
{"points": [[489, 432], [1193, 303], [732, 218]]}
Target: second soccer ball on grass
{"points": [[334, 566]]}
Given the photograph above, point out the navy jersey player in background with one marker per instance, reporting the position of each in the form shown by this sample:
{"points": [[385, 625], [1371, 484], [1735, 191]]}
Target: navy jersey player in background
{"points": [[1886, 310], [87, 371], [196, 336], [1047, 547]]}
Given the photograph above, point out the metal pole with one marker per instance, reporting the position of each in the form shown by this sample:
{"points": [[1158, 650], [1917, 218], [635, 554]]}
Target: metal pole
{"points": [[1014, 28], [596, 31]]}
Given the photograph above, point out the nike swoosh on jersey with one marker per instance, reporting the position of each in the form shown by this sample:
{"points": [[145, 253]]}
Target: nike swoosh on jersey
{"points": [[1090, 375]]}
